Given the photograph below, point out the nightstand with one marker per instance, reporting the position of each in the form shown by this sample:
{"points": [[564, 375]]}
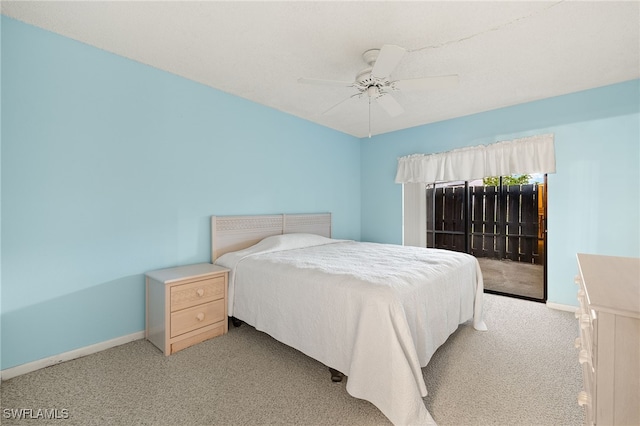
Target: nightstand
{"points": [[186, 305]]}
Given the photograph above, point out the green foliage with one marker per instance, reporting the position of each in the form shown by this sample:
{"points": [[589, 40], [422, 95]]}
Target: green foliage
{"points": [[506, 180]]}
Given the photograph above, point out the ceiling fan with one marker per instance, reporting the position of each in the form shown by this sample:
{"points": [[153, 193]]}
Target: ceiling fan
{"points": [[374, 82]]}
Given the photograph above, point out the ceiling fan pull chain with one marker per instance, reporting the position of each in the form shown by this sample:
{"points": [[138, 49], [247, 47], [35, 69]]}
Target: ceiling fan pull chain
{"points": [[369, 117]]}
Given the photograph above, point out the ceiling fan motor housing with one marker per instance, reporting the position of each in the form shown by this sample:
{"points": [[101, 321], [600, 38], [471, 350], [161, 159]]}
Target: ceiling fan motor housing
{"points": [[363, 78], [365, 82]]}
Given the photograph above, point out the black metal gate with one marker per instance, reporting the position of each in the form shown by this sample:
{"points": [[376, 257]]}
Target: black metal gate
{"points": [[499, 222]]}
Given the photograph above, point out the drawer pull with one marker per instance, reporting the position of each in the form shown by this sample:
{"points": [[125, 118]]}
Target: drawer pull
{"points": [[577, 343], [584, 399], [584, 357], [585, 321], [577, 280], [200, 316], [200, 292]]}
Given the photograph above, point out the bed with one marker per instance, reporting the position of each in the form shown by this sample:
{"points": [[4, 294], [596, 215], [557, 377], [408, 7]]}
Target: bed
{"points": [[374, 312]]}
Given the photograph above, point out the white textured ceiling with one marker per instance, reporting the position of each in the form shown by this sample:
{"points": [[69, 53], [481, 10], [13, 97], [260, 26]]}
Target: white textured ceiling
{"points": [[505, 53]]}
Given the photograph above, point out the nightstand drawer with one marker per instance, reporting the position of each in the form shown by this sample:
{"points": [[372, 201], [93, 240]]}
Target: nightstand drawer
{"points": [[195, 293], [192, 340], [196, 317]]}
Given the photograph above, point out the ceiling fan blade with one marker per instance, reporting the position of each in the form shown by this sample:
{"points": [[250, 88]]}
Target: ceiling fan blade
{"points": [[320, 82], [389, 104], [427, 83], [340, 103], [387, 61]]}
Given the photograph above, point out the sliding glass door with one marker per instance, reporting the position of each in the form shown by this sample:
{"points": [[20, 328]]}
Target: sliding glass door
{"points": [[501, 221]]}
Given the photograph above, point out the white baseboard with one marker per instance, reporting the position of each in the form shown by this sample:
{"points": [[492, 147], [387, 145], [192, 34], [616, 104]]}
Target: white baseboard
{"points": [[19, 370], [560, 307]]}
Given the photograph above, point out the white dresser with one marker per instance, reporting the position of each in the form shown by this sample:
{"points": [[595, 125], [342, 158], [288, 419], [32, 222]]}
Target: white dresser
{"points": [[609, 341]]}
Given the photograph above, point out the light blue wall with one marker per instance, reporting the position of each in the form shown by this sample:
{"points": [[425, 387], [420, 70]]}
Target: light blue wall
{"points": [[111, 168], [593, 199], [0, 192]]}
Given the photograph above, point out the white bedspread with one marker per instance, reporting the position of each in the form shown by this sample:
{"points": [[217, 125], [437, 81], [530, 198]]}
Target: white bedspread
{"points": [[375, 312]]}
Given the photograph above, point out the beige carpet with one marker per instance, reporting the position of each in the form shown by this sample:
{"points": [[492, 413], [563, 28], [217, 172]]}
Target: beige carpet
{"points": [[523, 371]]}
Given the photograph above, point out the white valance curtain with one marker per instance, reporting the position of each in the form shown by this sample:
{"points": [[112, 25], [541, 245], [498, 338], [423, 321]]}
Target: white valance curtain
{"points": [[534, 154]]}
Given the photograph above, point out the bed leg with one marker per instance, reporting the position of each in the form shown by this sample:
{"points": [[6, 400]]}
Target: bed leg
{"points": [[336, 376], [236, 322]]}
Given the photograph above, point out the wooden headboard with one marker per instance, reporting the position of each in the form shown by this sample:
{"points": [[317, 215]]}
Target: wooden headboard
{"points": [[231, 233]]}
